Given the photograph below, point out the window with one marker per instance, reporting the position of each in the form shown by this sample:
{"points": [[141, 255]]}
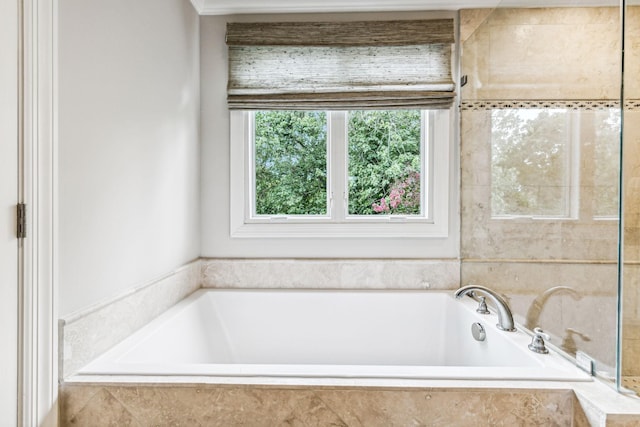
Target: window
{"points": [[387, 156], [358, 173], [320, 143], [289, 164], [543, 159]]}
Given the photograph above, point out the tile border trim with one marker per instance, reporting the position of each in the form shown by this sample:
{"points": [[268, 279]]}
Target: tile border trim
{"points": [[576, 104]]}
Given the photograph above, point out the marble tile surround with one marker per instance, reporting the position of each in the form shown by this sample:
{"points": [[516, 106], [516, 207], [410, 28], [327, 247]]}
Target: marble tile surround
{"points": [[631, 267], [486, 237], [85, 335], [141, 405], [522, 257], [331, 274], [507, 53]]}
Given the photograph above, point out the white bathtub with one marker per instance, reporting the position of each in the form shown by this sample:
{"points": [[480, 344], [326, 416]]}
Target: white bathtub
{"points": [[329, 334]]}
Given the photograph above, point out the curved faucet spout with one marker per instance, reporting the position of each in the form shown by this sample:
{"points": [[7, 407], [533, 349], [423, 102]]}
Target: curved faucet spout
{"points": [[505, 318]]}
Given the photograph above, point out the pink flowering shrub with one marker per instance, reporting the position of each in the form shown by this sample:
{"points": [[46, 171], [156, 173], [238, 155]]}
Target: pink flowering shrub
{"points": [[382, 207], [404, 197]]}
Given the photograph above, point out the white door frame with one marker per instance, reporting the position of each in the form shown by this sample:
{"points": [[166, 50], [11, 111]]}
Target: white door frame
{"points": [[38, 376], [9, 243]]}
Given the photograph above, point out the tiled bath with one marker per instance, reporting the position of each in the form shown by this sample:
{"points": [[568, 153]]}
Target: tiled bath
{"points": [[225, 405], [120, 400]]}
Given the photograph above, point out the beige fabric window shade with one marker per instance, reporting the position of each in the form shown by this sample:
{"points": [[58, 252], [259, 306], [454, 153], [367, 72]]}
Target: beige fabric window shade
{"points": [[340, 65]]}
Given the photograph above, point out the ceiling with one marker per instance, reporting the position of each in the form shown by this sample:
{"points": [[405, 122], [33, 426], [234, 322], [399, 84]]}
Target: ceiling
{"points": [[226, 7]]}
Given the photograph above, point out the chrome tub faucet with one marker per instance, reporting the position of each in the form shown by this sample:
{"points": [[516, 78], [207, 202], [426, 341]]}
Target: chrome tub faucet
{"points": [[505, 318]]}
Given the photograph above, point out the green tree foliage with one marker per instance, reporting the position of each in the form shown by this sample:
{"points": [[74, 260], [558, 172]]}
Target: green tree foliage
{"points": [[384, 162], [291, 162]]}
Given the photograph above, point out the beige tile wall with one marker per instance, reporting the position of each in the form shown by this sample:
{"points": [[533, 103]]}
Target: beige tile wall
{"points": [[631, 190], [631, 164], [540, 54], [555, 53], [494, 238], [632, 55]]}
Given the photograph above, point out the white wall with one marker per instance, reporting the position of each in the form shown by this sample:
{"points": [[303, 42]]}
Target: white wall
{"points": [[215, 164], [128, 141]]}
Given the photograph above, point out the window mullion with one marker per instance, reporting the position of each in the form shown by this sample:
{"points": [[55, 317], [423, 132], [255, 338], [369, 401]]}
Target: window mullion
{"points": [[337, 167], [427, 177], [250, 177]]}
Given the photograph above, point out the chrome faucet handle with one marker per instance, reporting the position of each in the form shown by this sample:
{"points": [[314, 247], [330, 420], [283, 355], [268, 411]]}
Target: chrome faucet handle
{"points": [[537, 343], [482, 306]]}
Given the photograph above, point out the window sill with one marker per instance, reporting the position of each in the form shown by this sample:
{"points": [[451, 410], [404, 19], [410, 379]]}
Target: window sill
{"points": [[377, 230]]}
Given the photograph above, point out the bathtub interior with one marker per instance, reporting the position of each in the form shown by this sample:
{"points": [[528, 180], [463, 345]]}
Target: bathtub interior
{"points": [[336, 333]]}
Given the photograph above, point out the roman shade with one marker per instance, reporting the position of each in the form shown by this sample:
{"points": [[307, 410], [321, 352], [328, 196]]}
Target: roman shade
{"points": [[340, 65]]}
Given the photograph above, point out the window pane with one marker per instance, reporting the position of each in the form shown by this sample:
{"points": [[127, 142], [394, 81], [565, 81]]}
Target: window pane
{"points": [[607, 159], [530, 162], [384, 162], [290, 163]]}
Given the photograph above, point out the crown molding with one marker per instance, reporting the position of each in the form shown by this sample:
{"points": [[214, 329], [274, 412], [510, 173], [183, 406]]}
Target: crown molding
{"points": [[227, 7], [198, 5], [230, 7]]}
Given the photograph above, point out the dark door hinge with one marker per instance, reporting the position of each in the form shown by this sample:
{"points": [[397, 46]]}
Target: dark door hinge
{"points": [[22, 221]]}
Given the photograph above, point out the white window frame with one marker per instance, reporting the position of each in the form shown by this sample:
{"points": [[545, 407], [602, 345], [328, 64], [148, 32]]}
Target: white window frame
{"points": [[436, 168]]}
